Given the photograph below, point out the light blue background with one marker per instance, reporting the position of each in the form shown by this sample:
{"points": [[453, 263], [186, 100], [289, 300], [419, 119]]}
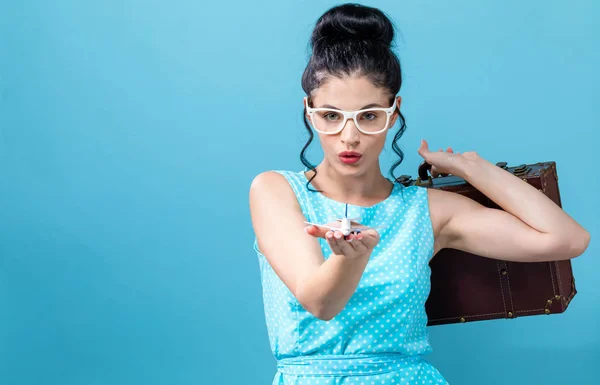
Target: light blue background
{"points": [[130, 132]]}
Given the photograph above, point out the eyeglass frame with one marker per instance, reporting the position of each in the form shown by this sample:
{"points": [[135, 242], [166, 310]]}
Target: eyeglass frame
{"points": [[351, 115]]}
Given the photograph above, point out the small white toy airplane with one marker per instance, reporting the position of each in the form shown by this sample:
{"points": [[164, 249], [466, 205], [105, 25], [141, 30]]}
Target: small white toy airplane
{"points": [[345, 225]]}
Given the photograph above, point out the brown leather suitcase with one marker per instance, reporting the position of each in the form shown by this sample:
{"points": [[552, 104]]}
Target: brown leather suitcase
{"points": [[467, 287]]}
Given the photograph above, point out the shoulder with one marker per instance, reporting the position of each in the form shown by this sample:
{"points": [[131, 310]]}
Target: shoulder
{"points": [[278, 181], [267, 179], [270, 186]]}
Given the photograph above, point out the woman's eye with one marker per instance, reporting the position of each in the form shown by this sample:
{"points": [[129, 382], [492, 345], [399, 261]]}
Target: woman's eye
{"points": [[331, 116], [370, 116]]}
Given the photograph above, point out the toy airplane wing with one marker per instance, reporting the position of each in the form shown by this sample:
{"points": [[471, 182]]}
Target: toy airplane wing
{"points": [[357, 226], [365, 228], [352, 229], [325, 226]]}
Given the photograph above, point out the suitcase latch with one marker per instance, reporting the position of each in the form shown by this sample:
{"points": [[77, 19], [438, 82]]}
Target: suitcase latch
{"points": [[521, 170], [404, 179]]}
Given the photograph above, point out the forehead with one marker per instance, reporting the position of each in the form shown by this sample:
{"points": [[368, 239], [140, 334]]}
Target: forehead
{"points": [[349, 93]]}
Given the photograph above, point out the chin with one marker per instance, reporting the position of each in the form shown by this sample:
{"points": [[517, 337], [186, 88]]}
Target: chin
{"points": [[350, 169]]}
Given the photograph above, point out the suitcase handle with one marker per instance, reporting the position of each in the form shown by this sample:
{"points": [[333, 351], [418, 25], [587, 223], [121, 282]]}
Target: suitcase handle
{"points": [[423, 178], [425, 169]]}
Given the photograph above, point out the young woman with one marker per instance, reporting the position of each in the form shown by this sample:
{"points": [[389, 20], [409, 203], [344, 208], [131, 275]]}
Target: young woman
{"points": [[350, 310]]}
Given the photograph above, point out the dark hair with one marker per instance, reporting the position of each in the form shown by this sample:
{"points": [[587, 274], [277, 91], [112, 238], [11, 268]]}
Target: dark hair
{"points": [[353, 39]]}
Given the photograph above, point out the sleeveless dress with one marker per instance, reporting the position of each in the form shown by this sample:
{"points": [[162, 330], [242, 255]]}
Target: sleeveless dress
{"points": [[380, 336]]}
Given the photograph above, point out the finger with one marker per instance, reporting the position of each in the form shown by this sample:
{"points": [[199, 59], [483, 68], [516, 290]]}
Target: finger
{"points": [[351, 238], [359, 246], [333, 244], [429, 156], [352, 242], [370, 238], [345, 246], [423, 149], [433, 171], [338, 244], [316, 231]]}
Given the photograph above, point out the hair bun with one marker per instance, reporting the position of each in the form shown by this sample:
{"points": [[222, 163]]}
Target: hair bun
{"points": [[353, 22]]}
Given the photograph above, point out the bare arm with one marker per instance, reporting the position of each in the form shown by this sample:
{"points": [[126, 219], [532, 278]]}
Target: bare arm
{"points": [[531, 228], [323, 287]]}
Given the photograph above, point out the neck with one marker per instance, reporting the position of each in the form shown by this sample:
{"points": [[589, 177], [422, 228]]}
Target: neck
{"points": [[362, 189]]}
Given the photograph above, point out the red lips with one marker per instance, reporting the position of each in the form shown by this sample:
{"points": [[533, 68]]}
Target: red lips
{"points": [[350, 153], [349, 156]]}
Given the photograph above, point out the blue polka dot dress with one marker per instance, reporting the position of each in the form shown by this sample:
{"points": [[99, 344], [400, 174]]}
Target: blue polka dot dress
{"points": [[380, 336]]}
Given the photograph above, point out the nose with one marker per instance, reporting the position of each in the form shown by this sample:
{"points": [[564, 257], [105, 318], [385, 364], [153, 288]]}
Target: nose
{"points": [[350, 133]]}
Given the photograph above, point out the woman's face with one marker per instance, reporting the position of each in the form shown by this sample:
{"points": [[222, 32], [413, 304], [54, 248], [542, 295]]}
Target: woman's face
{"points": [[351, 94]]}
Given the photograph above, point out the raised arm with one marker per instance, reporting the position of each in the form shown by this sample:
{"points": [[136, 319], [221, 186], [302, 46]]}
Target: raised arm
{"points": [[530, 228], [323, 287]]}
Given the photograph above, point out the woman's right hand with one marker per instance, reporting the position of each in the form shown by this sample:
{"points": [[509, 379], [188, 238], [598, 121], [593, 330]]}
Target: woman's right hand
{"points": [[355, 246]]}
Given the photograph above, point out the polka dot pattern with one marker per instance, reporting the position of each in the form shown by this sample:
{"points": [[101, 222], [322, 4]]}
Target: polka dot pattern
{"points": [[380, 336]]}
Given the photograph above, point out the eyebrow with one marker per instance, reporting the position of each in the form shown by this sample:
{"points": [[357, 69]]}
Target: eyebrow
{"points": [[362, 108]]}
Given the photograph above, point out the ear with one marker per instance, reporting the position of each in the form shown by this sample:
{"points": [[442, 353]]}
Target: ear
{"points": [[394, 116], [398, 101], [304, 105]]}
